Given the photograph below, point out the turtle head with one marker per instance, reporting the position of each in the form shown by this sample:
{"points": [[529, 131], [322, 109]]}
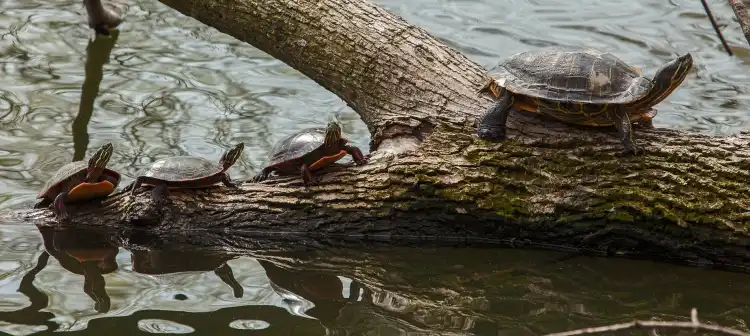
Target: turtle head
{"points": [[669, 77], [333, 134], [231, 156], [98, 162], [491, 87]]}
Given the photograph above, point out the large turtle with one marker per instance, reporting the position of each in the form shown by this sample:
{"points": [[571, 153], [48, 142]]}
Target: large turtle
{"points": [[309, 150], [580, 86], [79, 181], [186, 172]]}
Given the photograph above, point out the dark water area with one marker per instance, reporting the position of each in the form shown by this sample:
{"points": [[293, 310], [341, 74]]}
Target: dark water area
{"points": [[92, 282], [168, 85]]}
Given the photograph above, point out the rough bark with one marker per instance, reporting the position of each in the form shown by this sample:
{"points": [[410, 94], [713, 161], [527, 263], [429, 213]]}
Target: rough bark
{"points": [[430, 178]]}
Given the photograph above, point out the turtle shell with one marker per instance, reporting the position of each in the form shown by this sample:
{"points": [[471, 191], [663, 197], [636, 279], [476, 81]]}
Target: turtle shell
{"points": [[565, 74], [72, 173], [296, 145], [182, 168]]}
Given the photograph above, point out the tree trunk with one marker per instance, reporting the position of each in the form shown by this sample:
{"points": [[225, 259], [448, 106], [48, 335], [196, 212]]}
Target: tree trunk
{"points": [[430, 178]]}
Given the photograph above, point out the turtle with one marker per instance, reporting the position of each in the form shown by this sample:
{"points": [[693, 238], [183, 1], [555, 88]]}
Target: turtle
{"points": [[309, 150], [79, 181], [187, 172], [101, 19], [578, 85]]}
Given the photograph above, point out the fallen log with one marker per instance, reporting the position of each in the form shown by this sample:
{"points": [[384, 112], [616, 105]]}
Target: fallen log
{"points": [[430, 178]]}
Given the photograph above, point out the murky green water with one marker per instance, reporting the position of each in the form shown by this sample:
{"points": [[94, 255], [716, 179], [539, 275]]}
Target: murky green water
{"points": [[168, 85]]}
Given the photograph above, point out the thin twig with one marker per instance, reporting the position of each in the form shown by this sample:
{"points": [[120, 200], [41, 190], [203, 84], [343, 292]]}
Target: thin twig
{"points": [[716, 27], [694, 324], [742, 16]]}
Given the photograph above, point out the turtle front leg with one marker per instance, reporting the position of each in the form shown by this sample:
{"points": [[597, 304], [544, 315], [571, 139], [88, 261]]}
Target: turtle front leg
{"points": [[263, 175], [356, 154], [227, 181], [60, 209], [625, 130], [306, 175], [492, 123]]}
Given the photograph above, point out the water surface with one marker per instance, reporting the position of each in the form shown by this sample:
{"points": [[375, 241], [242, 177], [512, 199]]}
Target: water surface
{"points": [[168, 85]]}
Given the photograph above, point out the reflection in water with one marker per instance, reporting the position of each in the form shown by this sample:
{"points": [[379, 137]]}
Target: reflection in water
{"points": [[87, 253], [32, 314], [155, 286], [97, 54], [164, 261], [101, 19]]}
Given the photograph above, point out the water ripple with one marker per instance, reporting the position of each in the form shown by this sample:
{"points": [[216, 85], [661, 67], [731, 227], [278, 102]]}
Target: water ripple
{"points": [[156, 326], [249, 324]]}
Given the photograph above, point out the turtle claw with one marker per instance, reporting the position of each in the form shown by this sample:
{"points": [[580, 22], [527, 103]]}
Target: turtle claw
{"points": [[262, 176], [314, 182], [632, 148], [491, 134]]}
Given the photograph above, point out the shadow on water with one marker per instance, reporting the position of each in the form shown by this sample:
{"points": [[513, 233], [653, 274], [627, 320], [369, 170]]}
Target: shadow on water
{"points": [[135, 281], [97, 54]]}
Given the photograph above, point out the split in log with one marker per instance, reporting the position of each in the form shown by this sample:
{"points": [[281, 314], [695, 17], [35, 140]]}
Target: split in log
{"points": [[430, 178]]}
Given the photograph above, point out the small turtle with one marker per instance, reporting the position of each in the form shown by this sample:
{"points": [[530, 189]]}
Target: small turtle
{"points": [[309, 150], [101, 19], [580, 86], [186, 172], [79, 181]]}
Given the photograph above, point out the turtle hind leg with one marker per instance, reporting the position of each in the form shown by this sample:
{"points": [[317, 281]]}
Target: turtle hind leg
{"points": [[625, 130], [43, 203], [229, 183], [160, 194], [133, 186], [492, 123], [263, 174]]}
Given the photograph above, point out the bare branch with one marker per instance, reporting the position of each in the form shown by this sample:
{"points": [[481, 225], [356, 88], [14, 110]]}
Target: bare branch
{"points": [[693, 324], [716, 28]]}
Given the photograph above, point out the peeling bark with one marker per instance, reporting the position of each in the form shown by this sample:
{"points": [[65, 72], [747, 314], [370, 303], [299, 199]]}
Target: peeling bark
{"points": [[430, 178]]}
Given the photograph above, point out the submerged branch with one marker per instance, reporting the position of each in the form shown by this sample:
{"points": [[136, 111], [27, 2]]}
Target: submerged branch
{"points": [[743, 17], [716, 27], [693, 325]]}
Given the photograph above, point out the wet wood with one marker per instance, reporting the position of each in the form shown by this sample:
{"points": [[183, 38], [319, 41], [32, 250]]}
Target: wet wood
{"points": [[431, 179]]}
